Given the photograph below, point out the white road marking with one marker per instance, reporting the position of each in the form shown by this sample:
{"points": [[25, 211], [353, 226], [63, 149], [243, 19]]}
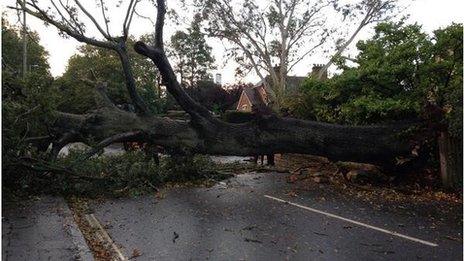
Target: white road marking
{"points": [[393, 233]]}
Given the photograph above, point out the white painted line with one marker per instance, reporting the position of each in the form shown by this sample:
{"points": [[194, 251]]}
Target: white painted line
{"points": [[393, 233]]}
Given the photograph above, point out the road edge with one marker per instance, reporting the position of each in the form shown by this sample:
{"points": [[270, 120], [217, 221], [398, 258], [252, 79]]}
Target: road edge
{"points": [[83, 250]]}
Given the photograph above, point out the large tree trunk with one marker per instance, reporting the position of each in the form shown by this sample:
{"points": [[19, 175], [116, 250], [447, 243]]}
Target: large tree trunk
{"points": [[264, 135], [450, 153], [204, 133]]}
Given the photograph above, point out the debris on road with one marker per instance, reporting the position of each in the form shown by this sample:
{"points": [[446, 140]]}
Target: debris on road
{"points": [[453, 238], [135, 253], [176, 236], [250, 227], [253, 240]]}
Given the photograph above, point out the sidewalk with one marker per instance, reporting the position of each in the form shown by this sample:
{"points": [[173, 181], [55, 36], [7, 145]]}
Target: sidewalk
{"points": [[41, 229]]}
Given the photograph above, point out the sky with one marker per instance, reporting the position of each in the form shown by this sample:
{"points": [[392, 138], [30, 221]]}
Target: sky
{"points": [[431, 14]]}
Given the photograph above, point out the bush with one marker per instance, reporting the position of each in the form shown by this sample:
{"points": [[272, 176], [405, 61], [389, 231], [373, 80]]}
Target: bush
{"points": [[400, 70], [27, 105]]}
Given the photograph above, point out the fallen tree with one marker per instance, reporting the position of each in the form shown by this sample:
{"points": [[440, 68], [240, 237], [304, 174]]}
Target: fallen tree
{"points": [[205, 133]]}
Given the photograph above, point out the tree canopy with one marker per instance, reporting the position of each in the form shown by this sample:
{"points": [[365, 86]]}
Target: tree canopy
{"points": [[191, 54], [399, 70], [92, 64], [271, 38], [27, 103]]}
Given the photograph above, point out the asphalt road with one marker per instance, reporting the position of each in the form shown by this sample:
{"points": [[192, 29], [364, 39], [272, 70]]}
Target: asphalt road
{"points": [[41, 229], [244, 218]]}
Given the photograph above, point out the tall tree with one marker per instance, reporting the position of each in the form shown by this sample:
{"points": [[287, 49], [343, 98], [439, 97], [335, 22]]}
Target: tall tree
{"points": [[272, 37], [67, 18], [191, 54], [12, 51], [27, 102], [388, 82], [205, 133]]}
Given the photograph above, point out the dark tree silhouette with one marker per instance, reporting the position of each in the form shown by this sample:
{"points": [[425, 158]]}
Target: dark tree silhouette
{"points": [[205, 133]]}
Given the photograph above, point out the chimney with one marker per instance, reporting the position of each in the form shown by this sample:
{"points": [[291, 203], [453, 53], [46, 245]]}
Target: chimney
{"points": [[315, 72], [218, 79]]}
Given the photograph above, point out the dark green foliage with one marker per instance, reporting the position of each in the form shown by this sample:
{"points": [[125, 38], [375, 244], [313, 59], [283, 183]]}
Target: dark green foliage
{"points": [[78, 96], [130, 173], [27, 103], [178, 168], [446, 75], [399, 71], [191, 54]]}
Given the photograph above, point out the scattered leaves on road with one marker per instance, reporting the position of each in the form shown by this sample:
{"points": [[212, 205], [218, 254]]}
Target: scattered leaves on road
{"points": [[135, 253]]}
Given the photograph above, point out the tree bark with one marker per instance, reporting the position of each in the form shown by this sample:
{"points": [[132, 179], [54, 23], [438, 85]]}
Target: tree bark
{"points": [[450, 152], [206, 134], [139, 103], [264, 135]]}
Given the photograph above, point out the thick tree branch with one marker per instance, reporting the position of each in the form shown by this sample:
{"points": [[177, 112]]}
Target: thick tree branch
{"points": [[121, 137], [42, 15], [381, 145], [159, 25], [159, 58], [139, 103], [112, 44]]}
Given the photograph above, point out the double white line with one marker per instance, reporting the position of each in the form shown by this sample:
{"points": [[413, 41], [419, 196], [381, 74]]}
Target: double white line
{"points": [[393, 233]]}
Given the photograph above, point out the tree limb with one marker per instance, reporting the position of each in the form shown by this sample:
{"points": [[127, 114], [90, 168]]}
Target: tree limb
{"points": [[97, 25], [108, 141], [105, 18], [42, 15]]}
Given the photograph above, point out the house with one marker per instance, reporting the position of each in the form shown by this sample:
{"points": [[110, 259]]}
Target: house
{"points": [[252, 97], [256, 97]]}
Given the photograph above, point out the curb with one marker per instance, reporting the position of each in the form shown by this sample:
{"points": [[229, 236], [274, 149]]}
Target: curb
{"points": [[83, 251], [104, 237]]}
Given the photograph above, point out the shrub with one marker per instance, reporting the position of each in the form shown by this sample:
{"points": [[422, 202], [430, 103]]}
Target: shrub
{"points": [[400, 70]]}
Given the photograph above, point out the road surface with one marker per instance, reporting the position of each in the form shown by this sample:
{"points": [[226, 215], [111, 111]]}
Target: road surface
{"points": [[41, 229], [251, 217]]}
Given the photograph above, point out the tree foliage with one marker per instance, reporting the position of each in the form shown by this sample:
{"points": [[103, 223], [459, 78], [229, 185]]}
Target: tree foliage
{"points": [[27, 102], [203, 133], [77, 85], [191, 54], [271, 38], [400, 70]]}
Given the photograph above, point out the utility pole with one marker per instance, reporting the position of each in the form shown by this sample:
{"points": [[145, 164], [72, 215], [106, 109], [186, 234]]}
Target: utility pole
{"points": [[24, 34]]}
